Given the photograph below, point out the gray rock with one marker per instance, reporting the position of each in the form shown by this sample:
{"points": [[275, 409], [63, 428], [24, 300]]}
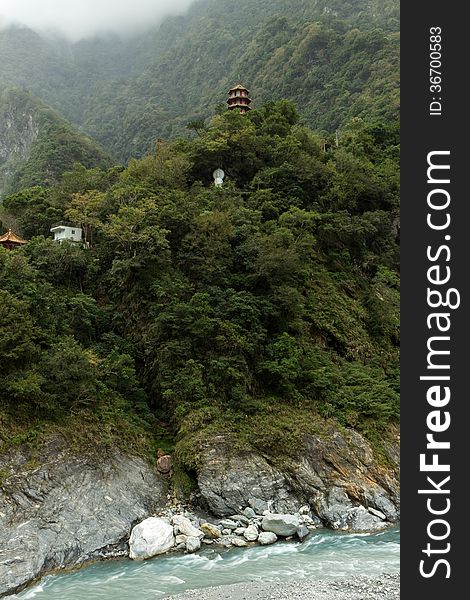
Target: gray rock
{"points": [[210, 531], [184, 526], [304, 510], [251, 533], [330, 460], [239, 542], [377, 513], [193, 543], [302, 532], [226, 531], [249, 513], [360, 519], [241, 519], [339, 512], [228, 480], [239, 530], [258, 505], [267, 537], [151, 537], [283, 525], [229, 524], [69, 510]]}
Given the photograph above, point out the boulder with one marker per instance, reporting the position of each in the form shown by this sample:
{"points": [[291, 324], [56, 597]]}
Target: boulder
{"points": [[339, 512], [267, 537], [240, 518], [360, 519], [249, 513], [229, 524], [210, 531], [151, 537], [302, 532], [183, 525], [181, 539], [251, 533], [239, 530], [164, 464], [283, 525], [193, 543], [239, 542]]}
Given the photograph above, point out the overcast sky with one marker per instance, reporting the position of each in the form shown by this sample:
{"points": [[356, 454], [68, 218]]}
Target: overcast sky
{"points": [[78, 19]]}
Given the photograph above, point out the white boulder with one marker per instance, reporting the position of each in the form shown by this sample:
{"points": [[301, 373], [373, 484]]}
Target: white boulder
{"points": [[151, 537]]}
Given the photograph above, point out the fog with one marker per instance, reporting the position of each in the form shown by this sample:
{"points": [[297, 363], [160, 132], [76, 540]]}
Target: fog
{"points": [[79, 19]]}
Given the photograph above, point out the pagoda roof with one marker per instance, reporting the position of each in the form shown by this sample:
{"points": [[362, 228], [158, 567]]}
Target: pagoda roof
{"points": [[11, 237], [238, 87]]}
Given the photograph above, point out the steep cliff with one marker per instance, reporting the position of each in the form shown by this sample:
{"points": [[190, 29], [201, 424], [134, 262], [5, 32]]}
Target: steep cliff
{"points": [[37, 145], [336, 472]]}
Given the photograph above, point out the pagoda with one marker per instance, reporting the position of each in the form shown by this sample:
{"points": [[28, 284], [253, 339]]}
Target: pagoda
{"points": [[239, 97], [10, 240]]}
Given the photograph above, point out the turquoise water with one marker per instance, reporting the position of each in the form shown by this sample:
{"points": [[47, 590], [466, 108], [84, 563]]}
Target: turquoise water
{"points": [[325, 554]]}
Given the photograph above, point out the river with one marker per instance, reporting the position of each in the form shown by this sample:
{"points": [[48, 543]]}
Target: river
{"points": [[325, 554]]}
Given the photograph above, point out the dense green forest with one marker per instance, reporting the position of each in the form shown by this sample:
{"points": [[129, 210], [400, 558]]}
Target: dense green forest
{"points": [[267, 307], [262, 307], [336, 60]]}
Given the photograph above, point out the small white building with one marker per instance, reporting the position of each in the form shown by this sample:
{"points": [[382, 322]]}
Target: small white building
{"points": [[67, 232]]}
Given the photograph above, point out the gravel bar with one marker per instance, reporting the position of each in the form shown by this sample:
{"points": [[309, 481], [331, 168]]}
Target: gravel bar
{"points": [[384, 587]]}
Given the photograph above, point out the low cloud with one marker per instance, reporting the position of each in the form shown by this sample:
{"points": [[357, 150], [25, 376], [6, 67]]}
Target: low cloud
{"points": [[79, 19]]}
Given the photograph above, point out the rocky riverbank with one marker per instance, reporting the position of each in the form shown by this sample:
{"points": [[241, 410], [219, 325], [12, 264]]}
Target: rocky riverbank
{"points": [[385, 587], [185, 531], [69, 510], [59, 510]]}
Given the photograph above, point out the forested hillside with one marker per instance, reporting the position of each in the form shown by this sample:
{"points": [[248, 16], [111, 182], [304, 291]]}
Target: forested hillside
{"points": [[336, 60], [37, 145], [262, 307]]}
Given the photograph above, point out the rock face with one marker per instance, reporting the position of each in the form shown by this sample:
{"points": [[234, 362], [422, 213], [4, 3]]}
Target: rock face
{"points": [[17, 136], [335, 473], [283, 525], [69, 510], [151, 537]]}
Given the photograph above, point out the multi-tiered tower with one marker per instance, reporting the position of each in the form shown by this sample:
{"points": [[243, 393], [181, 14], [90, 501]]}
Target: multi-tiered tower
{"points": [[239, 97]]}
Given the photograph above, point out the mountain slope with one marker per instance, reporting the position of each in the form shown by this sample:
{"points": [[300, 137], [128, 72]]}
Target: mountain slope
{"points": [[335, 59], [37, 145]]}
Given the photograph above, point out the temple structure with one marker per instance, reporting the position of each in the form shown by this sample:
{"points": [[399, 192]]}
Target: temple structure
{"points": [[239, 97], [10, 240]]}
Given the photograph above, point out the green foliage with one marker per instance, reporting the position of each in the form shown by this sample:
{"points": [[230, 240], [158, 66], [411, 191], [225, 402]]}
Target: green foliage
{"points": [[335, 60], [266, 305]]}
